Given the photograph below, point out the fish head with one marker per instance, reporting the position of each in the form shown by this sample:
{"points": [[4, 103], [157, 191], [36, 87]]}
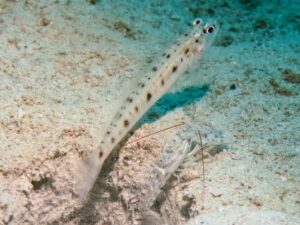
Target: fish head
{"points": [[203, 33]]}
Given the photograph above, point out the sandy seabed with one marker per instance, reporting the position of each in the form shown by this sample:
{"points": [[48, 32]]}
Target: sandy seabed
{"points": [[65, 68]]}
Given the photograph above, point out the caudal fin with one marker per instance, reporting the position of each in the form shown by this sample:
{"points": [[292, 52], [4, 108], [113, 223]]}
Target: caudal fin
{"points": [[86, 173]]}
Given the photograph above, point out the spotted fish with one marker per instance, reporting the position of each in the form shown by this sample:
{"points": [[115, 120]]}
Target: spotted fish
{"points": [[151, 87]]}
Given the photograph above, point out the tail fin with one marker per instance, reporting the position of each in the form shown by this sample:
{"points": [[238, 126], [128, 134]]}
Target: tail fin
{"points": [[86, 174]]}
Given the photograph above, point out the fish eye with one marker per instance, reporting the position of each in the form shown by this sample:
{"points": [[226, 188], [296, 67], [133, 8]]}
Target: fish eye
{"points": [[197, 22], [210, 29]]}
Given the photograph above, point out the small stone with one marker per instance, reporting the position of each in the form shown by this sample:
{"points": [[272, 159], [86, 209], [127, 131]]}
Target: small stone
{"points": [[45, 22]]}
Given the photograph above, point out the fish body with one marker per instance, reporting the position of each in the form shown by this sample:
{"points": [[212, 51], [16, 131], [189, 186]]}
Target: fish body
{"points": [[150, 88]]}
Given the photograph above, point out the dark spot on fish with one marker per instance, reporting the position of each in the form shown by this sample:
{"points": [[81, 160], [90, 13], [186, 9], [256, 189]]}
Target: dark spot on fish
{"points": [[168, 56], [108, 132], [162, 82], [197, 40], [181, 59], [100, 154], [141, 85], [187, 51], [112, 140], [149, 96], [149, 78], [154, 68], [102, 142], [129, 99], [174, 69], [136, 109], [126, 123], [186, 34]]}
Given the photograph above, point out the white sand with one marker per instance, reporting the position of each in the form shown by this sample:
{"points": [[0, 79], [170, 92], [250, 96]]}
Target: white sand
{"points": [[65, 69]]}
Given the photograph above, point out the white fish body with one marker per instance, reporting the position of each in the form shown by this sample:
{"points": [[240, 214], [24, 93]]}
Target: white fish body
{"points": [[148, 91]]}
